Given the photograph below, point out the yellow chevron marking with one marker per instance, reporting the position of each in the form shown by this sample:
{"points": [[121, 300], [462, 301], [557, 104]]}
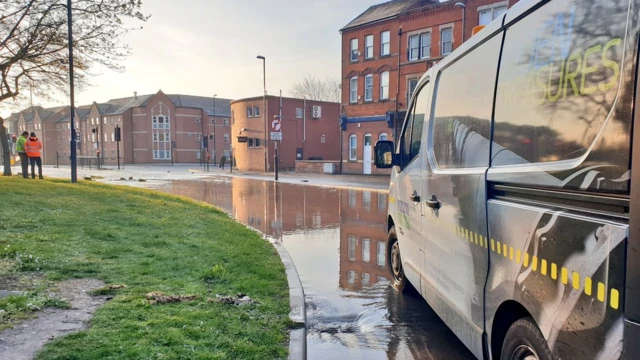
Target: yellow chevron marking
{"points": [[565, 276], [615, 298], [534, 263], [587, 285], [543, 267], [576, 280], [518, 255], [554, 271]]}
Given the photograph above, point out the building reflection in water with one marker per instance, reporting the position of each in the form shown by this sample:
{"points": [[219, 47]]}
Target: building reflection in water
{"points": [[338, 241]]}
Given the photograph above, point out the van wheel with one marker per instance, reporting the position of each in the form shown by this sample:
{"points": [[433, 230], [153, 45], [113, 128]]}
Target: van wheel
{"points": [[524, 341], [395, 261]]}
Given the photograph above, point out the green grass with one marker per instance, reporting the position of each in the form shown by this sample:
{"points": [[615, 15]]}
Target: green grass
{"points": [[149, 242]]}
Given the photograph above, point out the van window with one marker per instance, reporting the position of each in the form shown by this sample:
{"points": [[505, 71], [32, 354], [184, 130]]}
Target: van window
{"points": [[464, 101], [560, 75], [412, 136]]}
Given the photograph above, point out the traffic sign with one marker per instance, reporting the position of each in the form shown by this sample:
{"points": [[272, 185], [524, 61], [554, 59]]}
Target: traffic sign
{"points": [[276, 136], [276, 125]]}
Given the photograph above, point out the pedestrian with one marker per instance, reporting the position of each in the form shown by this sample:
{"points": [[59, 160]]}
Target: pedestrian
{"points": [[33, 146], [223, 160], [22, 153]]}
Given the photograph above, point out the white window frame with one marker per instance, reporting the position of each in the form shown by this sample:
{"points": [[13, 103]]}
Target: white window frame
{"points": [[492, 10], [381, 135], [163, 128], [256, 111], [368, 87], [249, 111], [299, 113], [353, 147], [423, 36], [411, 55], [353, 90], [442, 42], [353, 53], [104, 121], [226, 138], [225, 122], [384, 85], [368, 47], [385, 45]]}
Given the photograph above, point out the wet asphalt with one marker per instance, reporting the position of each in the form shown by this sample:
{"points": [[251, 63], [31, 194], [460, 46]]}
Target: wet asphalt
{"points": [[337, 240]]}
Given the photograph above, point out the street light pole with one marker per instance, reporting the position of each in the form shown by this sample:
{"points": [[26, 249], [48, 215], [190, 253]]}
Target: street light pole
{"points": [[464, 17], [264, 110], [74, 167]]}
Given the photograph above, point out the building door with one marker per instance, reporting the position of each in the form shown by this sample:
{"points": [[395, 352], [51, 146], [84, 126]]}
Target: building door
{"points": [[366, 155]]}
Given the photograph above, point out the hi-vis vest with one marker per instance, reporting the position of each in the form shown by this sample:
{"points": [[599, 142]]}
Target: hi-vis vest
{"points": [[32, 147]]}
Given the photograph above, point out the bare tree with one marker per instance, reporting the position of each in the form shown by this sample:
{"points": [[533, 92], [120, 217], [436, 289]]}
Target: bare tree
{"points": [[6, 155], [34, 43], [316, 89]]}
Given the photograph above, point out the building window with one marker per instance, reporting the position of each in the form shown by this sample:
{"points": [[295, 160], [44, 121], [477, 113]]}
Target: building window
{"points": [[425, 45], [354, 50], [226, 138], [249, 111], [225, 122], [366, 200], [414, 47], [104, 121], [385, 47], [384, 85], [366, 250], [198, 155], [382, 253], [353, 147], [323, 139], [383, 137], [256, 111], [93, 138], [351, 248], [250, 142], [368, 88], [113, 137], [106, 138], [113, 154], [368, 47], [213, 122], [197, 137], [111, 121], [92, 121], [446, 36], [256, 143], [487, 15], [353, 90], [411, 88], [419, 46], [299, 113]]}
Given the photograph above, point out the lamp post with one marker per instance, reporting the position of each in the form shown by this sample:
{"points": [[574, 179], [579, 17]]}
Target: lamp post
{"points": [[264, 109], [215, 152], [74, 167], [464, 17]]}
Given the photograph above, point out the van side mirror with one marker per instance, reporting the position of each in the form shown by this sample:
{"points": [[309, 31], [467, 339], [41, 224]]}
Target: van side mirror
{"points": [[384, 156]]}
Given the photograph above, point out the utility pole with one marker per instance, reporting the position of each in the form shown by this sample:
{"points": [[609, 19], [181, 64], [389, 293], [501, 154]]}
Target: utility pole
{"points": [[117, 136], [264, 110], [74, 167]]}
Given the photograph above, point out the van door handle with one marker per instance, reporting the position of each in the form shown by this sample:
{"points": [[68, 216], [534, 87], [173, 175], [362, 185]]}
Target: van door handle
{"points": [[434, 202], [415, 197]]}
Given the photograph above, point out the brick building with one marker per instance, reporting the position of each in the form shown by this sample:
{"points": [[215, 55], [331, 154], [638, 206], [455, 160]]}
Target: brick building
{"points": [[156, 128], [309, 131], [385, 51]]}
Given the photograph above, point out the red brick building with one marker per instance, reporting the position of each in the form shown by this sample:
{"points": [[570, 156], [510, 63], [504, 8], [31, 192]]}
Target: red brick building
{"points": [[385, 51], [156, 128], [309, 131]]}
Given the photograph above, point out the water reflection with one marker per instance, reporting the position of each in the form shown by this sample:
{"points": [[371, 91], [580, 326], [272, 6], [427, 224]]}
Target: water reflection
{"points": [[338, 241]]}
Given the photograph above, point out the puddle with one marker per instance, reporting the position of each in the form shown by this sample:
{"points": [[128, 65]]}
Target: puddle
{"points": [[337, 239]]}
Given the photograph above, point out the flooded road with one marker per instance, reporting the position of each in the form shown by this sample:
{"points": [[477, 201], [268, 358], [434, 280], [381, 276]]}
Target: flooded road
{"points": [[338, 242]]}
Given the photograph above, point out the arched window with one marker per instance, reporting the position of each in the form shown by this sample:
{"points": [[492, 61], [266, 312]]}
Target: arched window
{"points": [[383, 136], [353, 147], [353, 89], [384, 85], [368, 88]]}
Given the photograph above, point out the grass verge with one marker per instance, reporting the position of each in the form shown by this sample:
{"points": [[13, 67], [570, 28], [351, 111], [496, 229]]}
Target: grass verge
{"points": [[143, 242]]}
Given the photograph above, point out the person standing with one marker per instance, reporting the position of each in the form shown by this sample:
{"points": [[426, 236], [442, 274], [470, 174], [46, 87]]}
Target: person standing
{"points": [[22, 153], [33, 146], [223, 160]]}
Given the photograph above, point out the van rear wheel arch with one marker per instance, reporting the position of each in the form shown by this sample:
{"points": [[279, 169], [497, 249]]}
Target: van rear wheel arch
{"points": [[507, 314]]}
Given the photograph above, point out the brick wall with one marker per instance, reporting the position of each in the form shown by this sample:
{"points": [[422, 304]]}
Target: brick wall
{"points": [[314, 166]]}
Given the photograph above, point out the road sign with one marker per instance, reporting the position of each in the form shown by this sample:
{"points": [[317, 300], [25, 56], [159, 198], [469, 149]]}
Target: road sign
{"points": [[276, 136], [276, 125]]}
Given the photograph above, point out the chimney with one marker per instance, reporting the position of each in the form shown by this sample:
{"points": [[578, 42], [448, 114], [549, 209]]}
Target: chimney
{"points": [[135, 95]]}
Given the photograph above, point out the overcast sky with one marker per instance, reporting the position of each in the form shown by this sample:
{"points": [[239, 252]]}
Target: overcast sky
{"points": [[206, 47]]}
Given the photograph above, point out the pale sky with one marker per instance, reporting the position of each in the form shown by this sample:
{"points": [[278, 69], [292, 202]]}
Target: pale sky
{"points": [[206, 47]]}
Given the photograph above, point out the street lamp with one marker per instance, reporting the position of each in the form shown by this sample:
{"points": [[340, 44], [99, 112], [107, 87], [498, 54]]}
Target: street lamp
{"points": [[464, 16], [264, 109]]}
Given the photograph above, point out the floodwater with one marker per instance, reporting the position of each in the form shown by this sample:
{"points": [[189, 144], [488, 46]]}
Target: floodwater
{"points": [[338, 242]]}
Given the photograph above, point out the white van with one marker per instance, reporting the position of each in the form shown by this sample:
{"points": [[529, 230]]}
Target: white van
{"points": [[511, 197]]}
